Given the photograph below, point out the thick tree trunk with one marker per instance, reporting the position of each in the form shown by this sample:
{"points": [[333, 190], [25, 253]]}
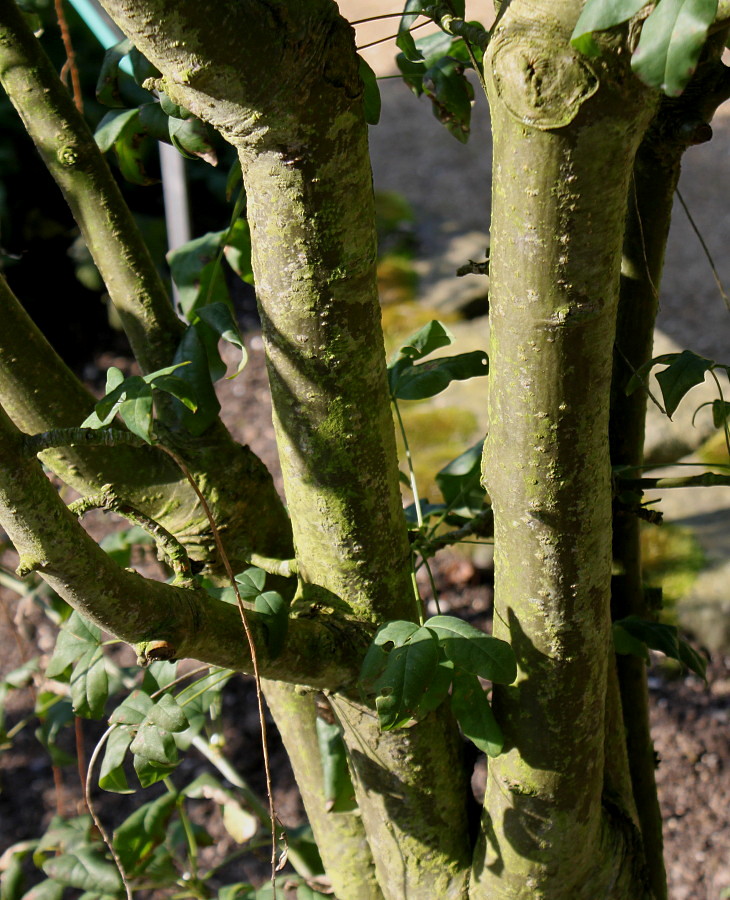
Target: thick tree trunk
{"points": [[565, 134]]}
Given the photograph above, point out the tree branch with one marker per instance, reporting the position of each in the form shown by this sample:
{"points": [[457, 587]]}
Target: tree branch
{"points": [[68, 149], [322, 652]]}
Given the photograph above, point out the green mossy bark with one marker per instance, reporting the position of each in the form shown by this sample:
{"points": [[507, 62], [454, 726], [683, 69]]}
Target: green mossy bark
{"points": [[321, 653], [280, 81], [679, 123], [340, 836], [411, 788], [565, 135]]}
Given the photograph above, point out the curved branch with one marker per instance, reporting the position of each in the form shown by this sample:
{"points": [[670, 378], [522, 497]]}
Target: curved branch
{"points": [[322, 652], [71, 155]]}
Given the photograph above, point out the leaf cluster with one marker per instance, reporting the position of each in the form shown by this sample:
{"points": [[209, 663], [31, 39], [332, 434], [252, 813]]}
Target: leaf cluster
{"points": [[673, 34], [410, 670]]}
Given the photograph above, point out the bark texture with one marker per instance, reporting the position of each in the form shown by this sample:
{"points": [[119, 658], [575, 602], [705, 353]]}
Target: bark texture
{"points": [[565, 134]]}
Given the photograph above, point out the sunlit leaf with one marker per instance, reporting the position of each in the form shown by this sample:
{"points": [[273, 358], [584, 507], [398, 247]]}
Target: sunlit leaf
{"points": [[474, 714], [338, 790], [417, 382], [472, 650], [409, 669], [76, 638], [598, 15], [85, 869], [193, 138], [112, 776], [671, 41], [218, 316]]}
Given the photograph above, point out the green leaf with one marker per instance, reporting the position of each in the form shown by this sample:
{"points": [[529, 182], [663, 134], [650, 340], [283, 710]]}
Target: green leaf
{"points": [[432, 377], [46, 890], [720, 413], [148, 772], [405, 41], [409, 669], [142, 68], [172, 109], [460, 481], [251, 582], [11, 880], [472, 650], [242, 890], [90, 685], [424, 341], [153, 120], [133, 711], [196, 273], [155, 745], [338, 790], [664, 638], [599, 15], [112, 776], [392, 634], [685, 370], [54, 720], [107, 85], [193, 138], [165, 713], [178, 388], [671, 41], [218, 316], [118, 545], [371, 93], [626, 644], [692, 659], [275, 610], [474, 714], [192, 349], [451, 95], [237, 250], [76, 638], [139, 834], [85, 869]]}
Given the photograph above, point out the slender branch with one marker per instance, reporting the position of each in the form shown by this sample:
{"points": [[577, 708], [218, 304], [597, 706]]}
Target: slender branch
{"points": [[286, 568], [167, 543], [707, 479], [86, 437], [323, 652], [68, 149], [482, 525]]}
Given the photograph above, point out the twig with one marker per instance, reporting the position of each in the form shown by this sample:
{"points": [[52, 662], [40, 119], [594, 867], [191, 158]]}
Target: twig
{"points": [[97, 821], [168, 545], [70, 64], [715, 273]]}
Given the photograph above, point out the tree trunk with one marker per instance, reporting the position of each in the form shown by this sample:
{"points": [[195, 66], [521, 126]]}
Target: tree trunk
{"points": [[565, 134]]}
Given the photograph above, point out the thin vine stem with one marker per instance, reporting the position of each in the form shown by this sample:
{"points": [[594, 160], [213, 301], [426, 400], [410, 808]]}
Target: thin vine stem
{"points": [[187, 828], [409, 463], [706, 249], [70, 64], [92, 812], [725, 428], [395, 15], [252, 648], [392, 37]]}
